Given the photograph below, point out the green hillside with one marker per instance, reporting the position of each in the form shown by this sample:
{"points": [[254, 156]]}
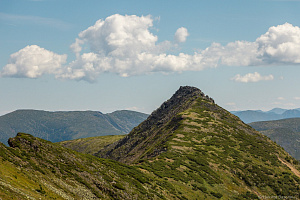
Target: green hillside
{"points": [[285, 132], [33, 168], [91, 145], [202, 151], [60, 126]]}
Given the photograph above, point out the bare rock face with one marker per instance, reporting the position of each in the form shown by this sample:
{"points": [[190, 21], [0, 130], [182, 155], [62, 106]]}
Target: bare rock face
{"points": [[25, 142], [155, 129], [180, 101]]}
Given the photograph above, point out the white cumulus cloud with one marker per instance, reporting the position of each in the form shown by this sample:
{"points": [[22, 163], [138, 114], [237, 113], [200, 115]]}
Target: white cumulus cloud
{"points": [[120, 36], [281, 44], [252, 77], [32, 62], [181, 35], [125, 45]]}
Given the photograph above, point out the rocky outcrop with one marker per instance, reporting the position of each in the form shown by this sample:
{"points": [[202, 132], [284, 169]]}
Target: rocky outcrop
{"points": [[181, 100]]}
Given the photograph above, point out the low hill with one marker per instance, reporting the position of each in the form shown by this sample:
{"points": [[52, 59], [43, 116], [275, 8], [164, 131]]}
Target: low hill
{"points": [[91, 145], [285, 132], [204, 152], [60, 126], [33, 168]]}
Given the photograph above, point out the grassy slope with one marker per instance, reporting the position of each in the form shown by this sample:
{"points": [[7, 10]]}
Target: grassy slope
{"points": [[205, 152], [35, 168], [213, 155], [91, 145], [284, 132]]}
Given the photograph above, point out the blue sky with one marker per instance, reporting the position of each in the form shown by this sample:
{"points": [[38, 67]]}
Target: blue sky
{"points": [[113, 55]]}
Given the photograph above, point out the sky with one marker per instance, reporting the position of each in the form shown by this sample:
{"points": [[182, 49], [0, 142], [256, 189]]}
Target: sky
{"points": [[107, 55]]}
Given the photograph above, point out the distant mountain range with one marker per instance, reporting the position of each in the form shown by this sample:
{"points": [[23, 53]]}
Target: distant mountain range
{"points": [[249, 116], [285, 132], [61, 125]]}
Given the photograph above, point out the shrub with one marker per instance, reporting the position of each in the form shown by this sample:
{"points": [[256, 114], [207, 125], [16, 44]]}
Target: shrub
{"points": [[216, 194], [119, 186]]}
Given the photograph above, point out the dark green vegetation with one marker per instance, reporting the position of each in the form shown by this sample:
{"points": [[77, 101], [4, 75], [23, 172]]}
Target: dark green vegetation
{"points": [[200, 150], [60, 126], [249, 116], [284, 132], [189, 148], [91, 145]]}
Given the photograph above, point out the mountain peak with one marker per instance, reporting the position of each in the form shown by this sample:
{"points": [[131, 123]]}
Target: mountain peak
{"points": [[184, 90], [165, 119], [181, 100], [188, 91], [199, 146]]}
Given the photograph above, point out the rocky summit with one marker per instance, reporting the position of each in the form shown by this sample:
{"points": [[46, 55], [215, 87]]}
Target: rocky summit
{"points": [[189, 148]]}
